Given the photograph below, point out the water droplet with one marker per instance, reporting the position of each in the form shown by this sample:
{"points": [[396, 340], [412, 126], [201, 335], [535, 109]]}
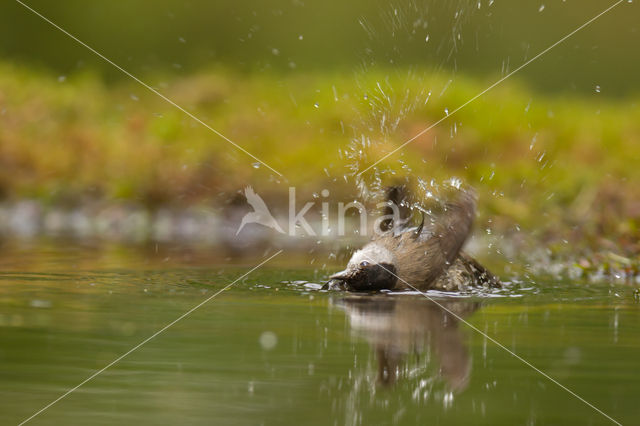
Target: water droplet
{"points": [[182, 40], [446, 111], [541, 8], [268, 340], [597, 88], [255, 165], [62, 78], [316, 105], [300, 37], [275, 51], [428, 96], [426, 38], [134, 97]]}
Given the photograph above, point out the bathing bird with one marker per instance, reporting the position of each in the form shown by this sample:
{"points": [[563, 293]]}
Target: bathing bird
{"points": [[418, 258]]}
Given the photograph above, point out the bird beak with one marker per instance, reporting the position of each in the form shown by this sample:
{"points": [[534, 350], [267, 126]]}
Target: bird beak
{"points": [[342, 275]]}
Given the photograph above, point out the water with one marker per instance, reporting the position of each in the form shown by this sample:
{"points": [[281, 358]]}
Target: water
{"points": [[273, 349]]}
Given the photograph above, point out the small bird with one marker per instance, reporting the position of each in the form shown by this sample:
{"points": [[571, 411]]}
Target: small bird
{"points": [[422, 258], [261, 213]]}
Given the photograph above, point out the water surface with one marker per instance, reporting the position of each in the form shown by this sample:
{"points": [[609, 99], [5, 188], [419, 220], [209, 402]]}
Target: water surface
{"points": [[275, 350]]}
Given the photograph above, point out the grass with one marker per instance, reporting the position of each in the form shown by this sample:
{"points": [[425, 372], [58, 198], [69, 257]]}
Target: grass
{"points": [[563, 168]]}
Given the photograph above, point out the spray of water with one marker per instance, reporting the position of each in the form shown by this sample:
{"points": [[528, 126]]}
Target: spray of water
{"points": [[432, 28]]}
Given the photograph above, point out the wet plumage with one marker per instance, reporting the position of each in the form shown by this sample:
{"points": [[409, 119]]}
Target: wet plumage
{"points": [[423, 257]]}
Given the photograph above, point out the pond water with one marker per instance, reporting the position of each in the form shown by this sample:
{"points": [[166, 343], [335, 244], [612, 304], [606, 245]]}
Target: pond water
{"points": [[273, 349]]}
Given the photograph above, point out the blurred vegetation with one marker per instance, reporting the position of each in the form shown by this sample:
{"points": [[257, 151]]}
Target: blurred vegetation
{"points": [[552, 153], [564, 168], [474, 37]]}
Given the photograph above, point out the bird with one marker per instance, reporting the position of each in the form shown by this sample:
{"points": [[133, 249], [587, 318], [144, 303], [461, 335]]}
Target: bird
{"points": [[260, 213], [418, 258]]}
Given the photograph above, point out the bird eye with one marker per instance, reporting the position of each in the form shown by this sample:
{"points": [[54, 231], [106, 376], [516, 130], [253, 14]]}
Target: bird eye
{"points": [[364, 264]]}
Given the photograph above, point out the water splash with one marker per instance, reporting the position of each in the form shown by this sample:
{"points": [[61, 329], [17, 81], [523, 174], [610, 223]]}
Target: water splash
{"points": [[388, 103]]}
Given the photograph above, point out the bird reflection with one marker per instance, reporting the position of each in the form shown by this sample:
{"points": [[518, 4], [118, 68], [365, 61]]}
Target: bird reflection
{"points": [[400, 326]]}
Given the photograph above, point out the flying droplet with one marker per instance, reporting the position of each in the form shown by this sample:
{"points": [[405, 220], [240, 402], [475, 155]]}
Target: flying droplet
{"points": [[275, 51], [300, 37], [597, 88], [255, 165], [426, 38], [541, 8], [428, 96], [316, 105], [446, 111]]}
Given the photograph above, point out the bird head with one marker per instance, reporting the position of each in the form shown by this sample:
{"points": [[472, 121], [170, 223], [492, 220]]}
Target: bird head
{"points": [[370, 269]]}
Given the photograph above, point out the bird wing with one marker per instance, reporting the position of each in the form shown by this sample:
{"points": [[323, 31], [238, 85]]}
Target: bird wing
{"points": [[420, 259], [455, 225], [396, 196]]}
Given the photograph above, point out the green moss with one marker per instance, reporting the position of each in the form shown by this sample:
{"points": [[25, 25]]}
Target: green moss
{"points": [[568, 160]]}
